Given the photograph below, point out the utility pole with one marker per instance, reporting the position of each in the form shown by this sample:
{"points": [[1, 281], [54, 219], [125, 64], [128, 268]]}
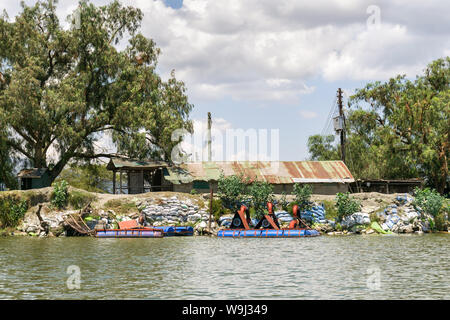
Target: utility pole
{"points": [[342, 120], [210, 182], [209, 137]]}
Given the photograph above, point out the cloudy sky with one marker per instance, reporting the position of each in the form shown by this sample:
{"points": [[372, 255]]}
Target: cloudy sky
{"points": [[264, 64]]}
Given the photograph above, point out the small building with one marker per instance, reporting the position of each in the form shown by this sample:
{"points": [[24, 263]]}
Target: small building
{"points": [[326, 177], [386, 186], [138, 176], [34, 178]]}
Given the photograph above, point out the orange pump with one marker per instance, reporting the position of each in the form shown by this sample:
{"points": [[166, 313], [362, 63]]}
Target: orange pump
{"points": [[269, 221]]}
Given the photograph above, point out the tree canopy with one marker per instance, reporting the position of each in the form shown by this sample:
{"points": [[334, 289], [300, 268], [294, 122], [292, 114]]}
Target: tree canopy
{"points": [[398, 129], [62, 88]]}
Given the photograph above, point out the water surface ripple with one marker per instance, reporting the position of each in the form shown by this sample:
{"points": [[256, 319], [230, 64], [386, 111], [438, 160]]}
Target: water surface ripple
{"points": [[410, 267]]}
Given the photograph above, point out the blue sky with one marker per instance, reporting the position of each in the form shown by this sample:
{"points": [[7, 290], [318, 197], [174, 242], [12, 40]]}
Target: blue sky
{"points": [[267, 64]]}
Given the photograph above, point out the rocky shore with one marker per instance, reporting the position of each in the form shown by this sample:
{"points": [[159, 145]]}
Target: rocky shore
{"points": [[379, 213]]}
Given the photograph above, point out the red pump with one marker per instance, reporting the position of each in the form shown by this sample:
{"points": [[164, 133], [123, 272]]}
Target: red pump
{"points": [[241, 219], [294, 224], [269, 221]]}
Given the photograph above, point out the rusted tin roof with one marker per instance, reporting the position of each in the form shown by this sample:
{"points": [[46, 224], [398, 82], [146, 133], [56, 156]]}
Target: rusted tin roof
{"points": [[274, 172], [32, 173], [123, 163]]}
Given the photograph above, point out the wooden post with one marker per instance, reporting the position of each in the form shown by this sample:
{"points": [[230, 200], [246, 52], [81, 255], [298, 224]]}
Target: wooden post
{"points": [[210, 204], [120, 172], [114, 181], [142, 179]]}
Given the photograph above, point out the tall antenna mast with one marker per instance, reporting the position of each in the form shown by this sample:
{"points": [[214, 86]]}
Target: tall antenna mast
{"points": [[341, 130], [209, 137]]}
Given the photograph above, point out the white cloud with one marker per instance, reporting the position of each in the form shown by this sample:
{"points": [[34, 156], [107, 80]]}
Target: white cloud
{"points": [[269, 50], [266, 51], [308, 114]]}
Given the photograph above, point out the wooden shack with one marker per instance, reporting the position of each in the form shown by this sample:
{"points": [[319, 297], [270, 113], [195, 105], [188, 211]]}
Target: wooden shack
{"points": [[386, 186], [138, 176], [34, 178]]}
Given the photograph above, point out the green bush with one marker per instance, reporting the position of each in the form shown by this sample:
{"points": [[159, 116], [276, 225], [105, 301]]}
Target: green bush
{"points": [[89, 177], [60, 194], [429, 200], [440, 222], [231, 189], [283, 203], [12, 210], [260, 192], [218, 209], [346, 205], [302, 195], [330, 210], [290, 206]]}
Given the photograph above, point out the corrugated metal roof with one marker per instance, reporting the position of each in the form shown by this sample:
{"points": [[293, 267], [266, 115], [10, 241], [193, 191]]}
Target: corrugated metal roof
{"points": [[122, 163], [274, 172], [32, 173]]}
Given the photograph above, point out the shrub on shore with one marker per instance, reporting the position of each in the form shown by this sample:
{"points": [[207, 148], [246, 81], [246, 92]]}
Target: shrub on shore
{"points": [[260, 192], [12, 211], [302, 195], [60, 194], [346, 205], [330, 209], [218, 209], [232, 190], [431, 202]]}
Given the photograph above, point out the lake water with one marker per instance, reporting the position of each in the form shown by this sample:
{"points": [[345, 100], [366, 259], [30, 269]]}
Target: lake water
{"points": [[345, 267]]}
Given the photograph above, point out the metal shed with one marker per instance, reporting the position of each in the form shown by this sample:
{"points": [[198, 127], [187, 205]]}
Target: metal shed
{"points": [[34, 178], [326, 177]]}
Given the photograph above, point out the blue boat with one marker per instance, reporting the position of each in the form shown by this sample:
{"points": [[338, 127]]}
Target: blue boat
{"points": [[267, 233], [176, 231], [129, 233]]}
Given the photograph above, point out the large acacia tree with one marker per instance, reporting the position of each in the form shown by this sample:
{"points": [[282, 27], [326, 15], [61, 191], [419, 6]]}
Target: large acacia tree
{"points": [[398, 129], [62, 88]]}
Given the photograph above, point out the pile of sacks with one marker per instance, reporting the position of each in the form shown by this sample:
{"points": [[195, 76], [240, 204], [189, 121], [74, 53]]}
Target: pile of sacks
{"points": [[316, 214], [357, 218], [225, 221], [403, 217], [173, 211]]}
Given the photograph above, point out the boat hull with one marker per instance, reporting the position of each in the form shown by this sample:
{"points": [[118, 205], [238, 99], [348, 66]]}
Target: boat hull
{"points": [[129, 233], [176, 231], [267, 233]]}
